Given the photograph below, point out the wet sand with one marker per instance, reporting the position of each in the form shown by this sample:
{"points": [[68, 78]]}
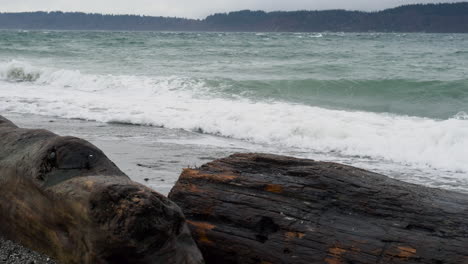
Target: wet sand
{"points": [[159, 154], [149, 155]]}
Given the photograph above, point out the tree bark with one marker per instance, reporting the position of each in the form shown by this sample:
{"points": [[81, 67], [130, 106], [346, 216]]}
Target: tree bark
{"points": [[63, 197], [260, 208]]}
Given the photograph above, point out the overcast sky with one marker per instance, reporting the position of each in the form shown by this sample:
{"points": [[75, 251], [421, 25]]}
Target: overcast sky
{"points": [[196, 8]]}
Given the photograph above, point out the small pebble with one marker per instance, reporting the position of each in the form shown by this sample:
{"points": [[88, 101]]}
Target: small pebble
{"points": [[12, 253]]}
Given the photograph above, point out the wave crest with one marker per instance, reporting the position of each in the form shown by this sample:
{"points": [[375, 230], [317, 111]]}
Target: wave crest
{"points": [[19, 72], [461, 116], [190, 104]]}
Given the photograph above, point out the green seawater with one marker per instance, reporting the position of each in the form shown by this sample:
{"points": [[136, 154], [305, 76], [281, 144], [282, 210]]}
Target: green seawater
{"points": [[392, 103], [422, 75]]}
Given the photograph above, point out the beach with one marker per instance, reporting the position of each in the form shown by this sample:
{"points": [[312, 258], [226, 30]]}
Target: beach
{"points": [[157, 103], [156, 156], [252, 195], [151, 156]]}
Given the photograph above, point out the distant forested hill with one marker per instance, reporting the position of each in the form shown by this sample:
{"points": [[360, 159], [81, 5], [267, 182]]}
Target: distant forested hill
{"points": [[409, 18], [82, 21]]}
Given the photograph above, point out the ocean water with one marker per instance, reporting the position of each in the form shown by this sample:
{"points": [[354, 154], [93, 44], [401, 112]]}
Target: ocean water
{"points": [[393, 103]]}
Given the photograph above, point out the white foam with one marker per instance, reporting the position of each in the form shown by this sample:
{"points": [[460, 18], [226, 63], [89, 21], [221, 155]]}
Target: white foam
{"points": [[17, 71], [317, 35], [175, 102]]}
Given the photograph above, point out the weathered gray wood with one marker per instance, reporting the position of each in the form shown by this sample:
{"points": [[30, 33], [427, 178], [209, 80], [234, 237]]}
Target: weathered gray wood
{"points": [[63, 197], [259, 208]]}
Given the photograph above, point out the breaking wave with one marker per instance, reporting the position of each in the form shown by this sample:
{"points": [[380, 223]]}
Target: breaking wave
{"points": [[193, 104], [18, 72]]}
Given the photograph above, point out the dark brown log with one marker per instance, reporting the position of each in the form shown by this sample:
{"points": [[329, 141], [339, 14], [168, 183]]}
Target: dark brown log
{"points": [[259, 208], [63, 197]]}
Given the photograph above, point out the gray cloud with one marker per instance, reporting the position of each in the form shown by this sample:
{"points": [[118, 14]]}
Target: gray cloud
{"points": [[197, 8]]}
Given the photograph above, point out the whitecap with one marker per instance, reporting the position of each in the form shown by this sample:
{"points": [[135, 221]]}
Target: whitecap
{"points": [[189, 104]]}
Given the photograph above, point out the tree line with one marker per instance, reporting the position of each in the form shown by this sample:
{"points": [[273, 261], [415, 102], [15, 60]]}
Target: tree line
{"points": [[443, 18]]}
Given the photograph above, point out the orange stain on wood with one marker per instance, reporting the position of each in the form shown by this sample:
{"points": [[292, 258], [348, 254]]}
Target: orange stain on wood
{"points": [[406, 252], [200, 229], [201, 225], [335, 257], [275, 188], [202, 238], [291, 235], [193, 189], [337, 251], [191, 173], [333, 261]]}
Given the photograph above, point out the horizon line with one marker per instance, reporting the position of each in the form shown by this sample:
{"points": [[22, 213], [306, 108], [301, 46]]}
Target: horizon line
{"points": [[227, 12]]}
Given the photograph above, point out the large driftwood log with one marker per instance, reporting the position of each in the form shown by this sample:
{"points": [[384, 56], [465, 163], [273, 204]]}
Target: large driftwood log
{"points": [[63, 197], [258, 208]]}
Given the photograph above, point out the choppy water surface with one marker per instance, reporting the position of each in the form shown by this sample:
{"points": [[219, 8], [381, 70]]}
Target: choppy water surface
{"points": [[395, 103]]}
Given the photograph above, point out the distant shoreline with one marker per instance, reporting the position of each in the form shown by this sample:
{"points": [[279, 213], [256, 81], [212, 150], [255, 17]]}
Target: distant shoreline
{"points": [[421, 18], [218, 32]]}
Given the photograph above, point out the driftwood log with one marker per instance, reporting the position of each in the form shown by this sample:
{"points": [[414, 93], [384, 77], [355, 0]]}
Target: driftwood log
{"points": [[63, 197], [259, 208]]}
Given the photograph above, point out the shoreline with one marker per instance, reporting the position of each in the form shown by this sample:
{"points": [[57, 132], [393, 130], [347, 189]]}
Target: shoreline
{"points": [[156, 156], [354, 180]]}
